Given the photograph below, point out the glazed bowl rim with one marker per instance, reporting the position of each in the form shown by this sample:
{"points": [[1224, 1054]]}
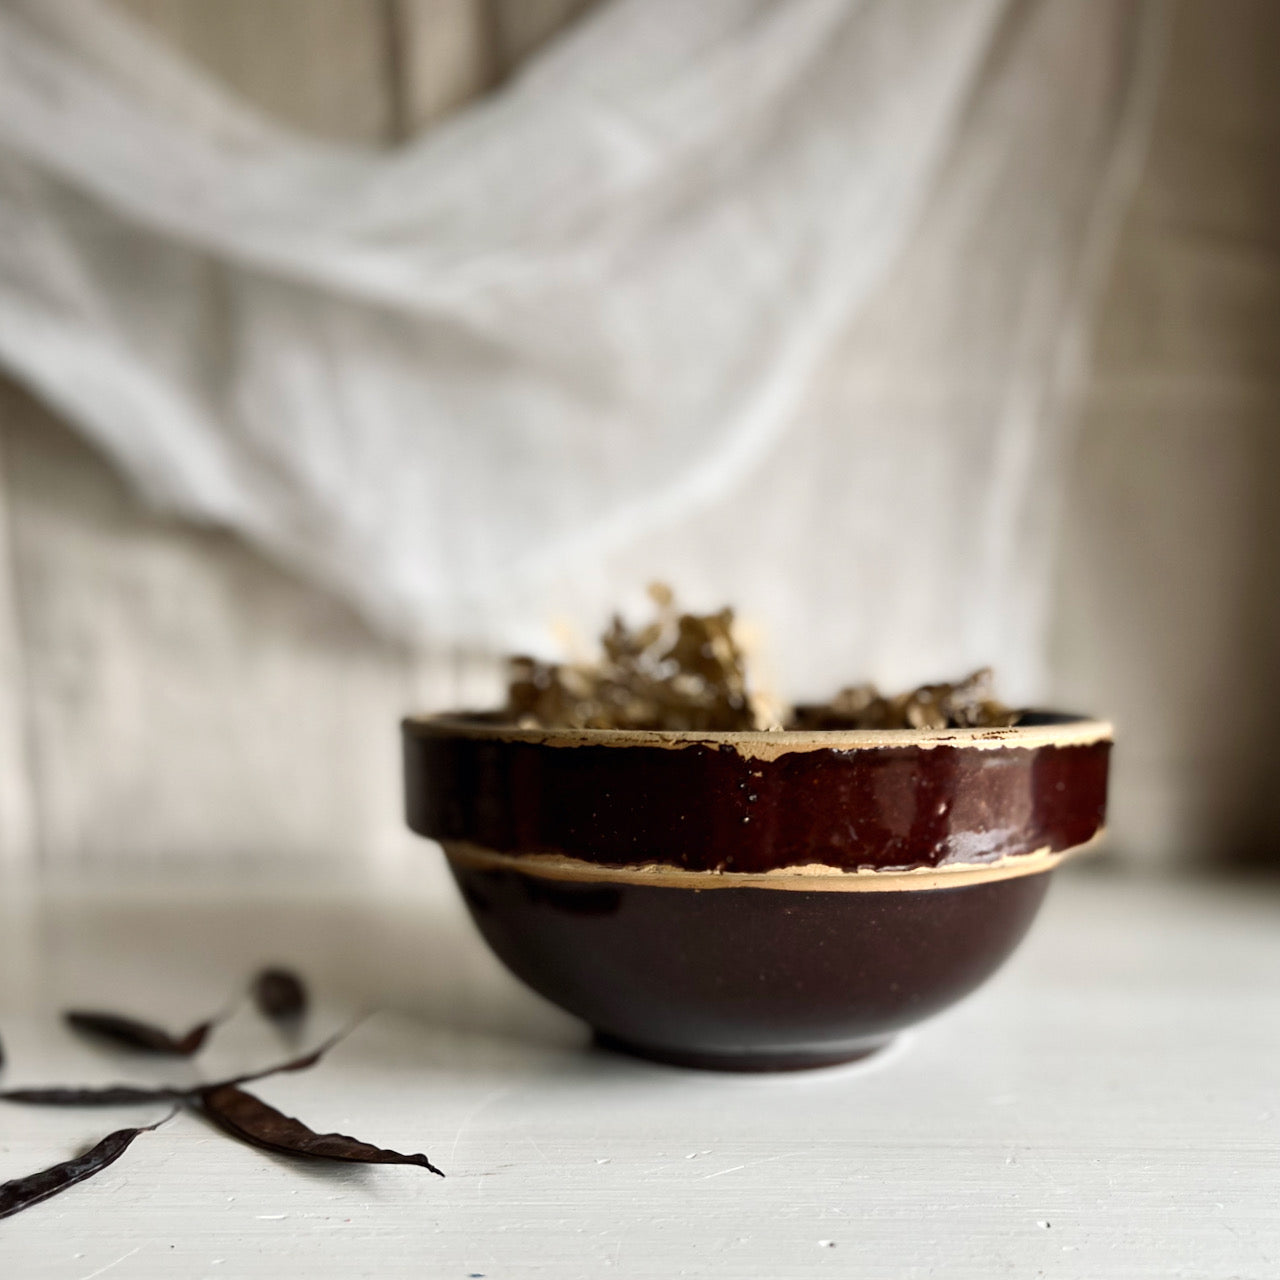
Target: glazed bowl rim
{"points": [[1053, 729]]}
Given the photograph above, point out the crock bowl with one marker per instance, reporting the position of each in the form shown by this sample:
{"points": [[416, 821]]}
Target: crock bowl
{"points": [[754, 901]]}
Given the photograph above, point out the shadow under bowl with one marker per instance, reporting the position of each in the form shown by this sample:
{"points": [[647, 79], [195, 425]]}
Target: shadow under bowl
{"points": [[754, 901]]}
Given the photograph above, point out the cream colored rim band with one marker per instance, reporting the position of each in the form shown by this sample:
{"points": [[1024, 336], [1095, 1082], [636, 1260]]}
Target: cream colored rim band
{"points": [[751, 745], [552, 866]]}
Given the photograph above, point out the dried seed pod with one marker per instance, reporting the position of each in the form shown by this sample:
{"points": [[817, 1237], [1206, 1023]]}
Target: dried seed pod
{"points": [[280, 995], [113, 1095], [132, 1033], [22, 1193], [110, 1095], [248, 1118]]}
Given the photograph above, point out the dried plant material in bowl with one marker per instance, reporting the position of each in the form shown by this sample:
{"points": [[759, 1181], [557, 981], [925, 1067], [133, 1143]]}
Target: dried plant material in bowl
{"points": [[688, 671], [746, 898], [969, 704], [680, 671]]}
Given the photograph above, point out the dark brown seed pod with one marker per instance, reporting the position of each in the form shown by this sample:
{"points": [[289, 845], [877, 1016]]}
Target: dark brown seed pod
{"points": [[114, 1095], [280, 995], [131, 1033], [248, 1118], [22, 1193], [111, 1095]]}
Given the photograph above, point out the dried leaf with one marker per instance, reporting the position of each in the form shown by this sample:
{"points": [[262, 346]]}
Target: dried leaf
{"points": [[22, 1193], [280, 995], [130, 1033], [114, 1095], [248, 1118]]}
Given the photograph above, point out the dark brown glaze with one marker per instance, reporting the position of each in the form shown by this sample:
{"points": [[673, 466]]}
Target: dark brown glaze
{"points": [[705, 807], [747, 978]]}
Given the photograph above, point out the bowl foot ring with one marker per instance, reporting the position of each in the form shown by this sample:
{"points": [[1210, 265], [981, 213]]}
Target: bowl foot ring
{"points": [[782, 1060]]}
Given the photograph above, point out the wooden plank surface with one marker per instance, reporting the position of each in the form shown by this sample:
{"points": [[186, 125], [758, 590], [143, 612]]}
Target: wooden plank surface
{"points": [[1106, 1107], [321, 65], [164, 691], [1168, 614], [522, 27], [186, 698], [17, 834], [444, 54]]}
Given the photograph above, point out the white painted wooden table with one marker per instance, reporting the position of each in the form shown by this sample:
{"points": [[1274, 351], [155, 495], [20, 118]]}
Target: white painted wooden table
{"points": [[1108, 1106]]}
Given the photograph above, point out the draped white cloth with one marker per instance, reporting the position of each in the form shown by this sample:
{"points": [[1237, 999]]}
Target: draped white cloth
{"points": [[782, 302]]}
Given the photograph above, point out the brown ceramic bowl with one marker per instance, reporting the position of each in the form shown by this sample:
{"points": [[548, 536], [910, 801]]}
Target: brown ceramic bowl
{"points": [[754, 901]]}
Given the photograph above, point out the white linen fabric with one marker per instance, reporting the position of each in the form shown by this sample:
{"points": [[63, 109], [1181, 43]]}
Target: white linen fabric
{"points": [[782, 301]]}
